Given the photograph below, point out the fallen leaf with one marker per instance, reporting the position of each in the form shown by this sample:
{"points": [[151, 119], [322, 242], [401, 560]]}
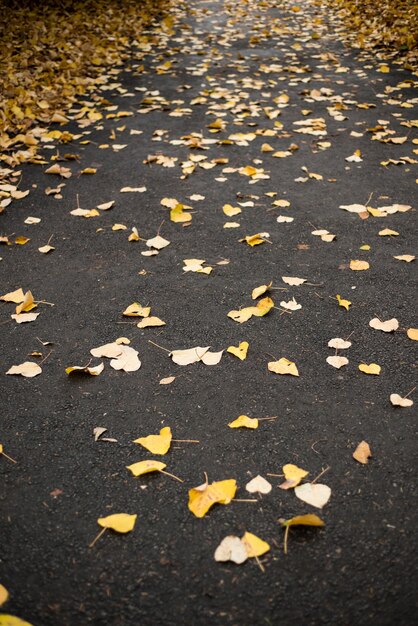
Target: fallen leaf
{"points": [[412, 333], [337, 361], [28, 369], [150, 321], [127, 360], [145, 467], [106, 205], [359, 265], [119, 227], [258, 291], [405, 257], [291, 305], [11, 620], [133, 189], [314, 494], [344, 303], [293, 475], [119, 522], [168, 380], [339, 344], [387, 327], [255, 240], [310, 519], [202, 498], [258, 484], [189, 356], [16, 296], [110, 350], [22, 240], [243, 421], [84, 369], [283, 366], [32, 220], [362, 452], [254, 545], [293, 280], [373, 368], [27, 305], [230, 211], [398, 400], [136, 310], [4, 594], [24, 317], [46, 249], [157, 242], [231, 549], [240, 351], [157, 444], [387, 232]]}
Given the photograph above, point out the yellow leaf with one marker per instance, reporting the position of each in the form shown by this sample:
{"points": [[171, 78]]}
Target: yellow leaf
{"points": [[230, 211], [254, 240], [293, 475], [258, 291], [248, 170], [373, 368], [118, 226], [386, 232], [412, 333], [310, 519], [21, 240], [283, 366], [365, 247], [243, 421], [45, 249], [28, 369], [89, 170], [344, 303], [27, 305], [120, 522], [254, 545], [93, 371], [359, 265], [240, 351], [136, 310], [384, 69], [134, 236], [16, 296], [145, 467], [150, 321], [405, 257], [11, 620], [202, 498], [4, 594], [157, 444], [362, 452], [242, 315], [178, 215], [263, 307]]}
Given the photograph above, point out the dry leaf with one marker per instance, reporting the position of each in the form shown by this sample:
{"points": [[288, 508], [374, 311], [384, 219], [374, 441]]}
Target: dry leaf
{"points": [[24, 317], [16, 296], [387, 327], [398, 400], [359, 265], [373, 368], [4, 594], [344, 303], [412, 333], [28, 369], [32, 220], [189, 356], [119, 522], [45, 249], [405, 257], [293, 475], [240, 351], [314, 494], [145, 467], [106, 205], [136, 310], [150, 321], [127, 360], [337, 361], [339, 344], [157, 444], [387, 232], [22, 240], [291, 305], [110, 350], [11, 620], [133, 189], [231, 549], [283, 366], [202, 498], [255, 240], [293, 280], [168, 380], [243, 421], [258, 291], [157, 242], [84, 369], [254, 545], [27, 305], [258, 485], [230, 211], [362, 452]]}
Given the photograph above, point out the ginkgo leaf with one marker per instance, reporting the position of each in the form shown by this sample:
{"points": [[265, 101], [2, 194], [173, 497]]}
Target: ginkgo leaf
{"points": [[189, 356], [398, 400], [45, 249], [28, 369], [359, 265], [337, 361], [243, 421], [21, 241], [117, 227], [157, 444], [168, 380], [84, 369], [339, 344], [293, 280], [179, 216], [258, 291], [16, 296], [146, 467], [202, 498], [405, 257], [283, 219], [240, 351], [291, 305], [387, 327], [255, 240], [310, 519], [110, 350], [11, 620], [127, 360], [230, 211], [27, 305], [157, 242], [150, 321], [119, 522], [134, 236], [136, 310], [263, 306], [106, 205], [232, 549], [283, 366], [243, 315], [293, 475], [387, 232], [254, 545], [362, 452], [85, 212], [4, 594], [373, 368], [196, 265], [412, 333], [314, 494], [342, 302], [24, 317], [258, 485], [32, 220], [211, 358]]}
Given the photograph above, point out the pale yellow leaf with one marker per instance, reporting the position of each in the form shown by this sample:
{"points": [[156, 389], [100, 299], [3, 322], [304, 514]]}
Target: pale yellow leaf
{"points": [[243, 421], [373, 368], [240, 351], [283, 366], [119, 522]]}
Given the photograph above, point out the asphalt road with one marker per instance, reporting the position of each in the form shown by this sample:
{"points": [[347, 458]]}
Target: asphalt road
{"points": [[231, 62]]}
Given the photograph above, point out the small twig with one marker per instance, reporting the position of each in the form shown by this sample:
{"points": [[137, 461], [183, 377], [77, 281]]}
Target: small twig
{"points": [[244, 500], [409, 392], [321, 474], [286, 534], [8, 457], [275, 475], [44, 302], [314, 443], [159, 228], [186, 440], [369, 198], [45, 358], [97, 536], [156, 344], [260, 565], [172, 476], [262, 419]]}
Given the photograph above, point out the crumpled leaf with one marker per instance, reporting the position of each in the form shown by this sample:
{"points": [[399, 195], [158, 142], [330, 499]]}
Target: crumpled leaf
{"points": [[258, 291], [293, 475], [84, 369], [293, 280], [119, 522], [196, 265], [337, 361], [145, 467], [314, 494], [240, 351], [232, 549], [27, 305], [373, 368], [398, 400], [291, 305], [127, 360], [283, 366], [28, 369], [255, 240], [387, 327], [362, 452], [258, 484], [202, 498], [136, 310], [342, 302], [243, 421], [157, 444], [16, 296]]}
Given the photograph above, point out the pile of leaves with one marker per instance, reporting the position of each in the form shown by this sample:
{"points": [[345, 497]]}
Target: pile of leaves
{"points": [[389, 23], [53, 52]]}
